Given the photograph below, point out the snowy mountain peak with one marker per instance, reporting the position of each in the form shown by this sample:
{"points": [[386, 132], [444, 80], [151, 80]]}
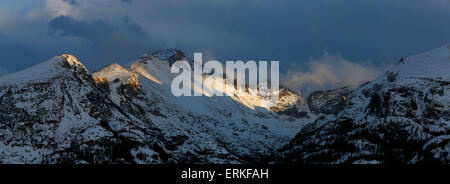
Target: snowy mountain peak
{"points": [[73, 62], [432, 64], [115, 73], [168, 55], [57, 66]]}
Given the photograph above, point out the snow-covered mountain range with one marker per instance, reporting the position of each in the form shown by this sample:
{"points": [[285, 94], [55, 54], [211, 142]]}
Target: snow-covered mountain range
{"points": [[59, 112]]}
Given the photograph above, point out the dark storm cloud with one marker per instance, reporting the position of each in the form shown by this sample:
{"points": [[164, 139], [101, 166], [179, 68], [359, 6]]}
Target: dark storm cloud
{"points": [[104, 31], [97, 31], [293, 31], [111, 42]]}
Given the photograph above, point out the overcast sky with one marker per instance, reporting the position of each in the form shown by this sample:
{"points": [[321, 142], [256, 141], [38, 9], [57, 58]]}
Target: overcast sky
{"points": [[369, 33]]}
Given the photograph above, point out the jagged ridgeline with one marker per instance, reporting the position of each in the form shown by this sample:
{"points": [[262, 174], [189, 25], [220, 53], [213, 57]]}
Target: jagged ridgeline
{"points": [[59, 112]]}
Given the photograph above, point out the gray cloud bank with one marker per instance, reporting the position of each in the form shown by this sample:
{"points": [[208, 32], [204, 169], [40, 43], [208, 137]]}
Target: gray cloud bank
{"points": [[105, 31]]}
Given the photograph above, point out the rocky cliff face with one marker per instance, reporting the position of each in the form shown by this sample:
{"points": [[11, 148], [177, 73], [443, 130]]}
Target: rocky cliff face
{"points": [[329, 102]]}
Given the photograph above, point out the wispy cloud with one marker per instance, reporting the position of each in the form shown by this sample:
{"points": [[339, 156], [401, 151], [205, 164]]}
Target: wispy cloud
{"points": [[331, 71]]}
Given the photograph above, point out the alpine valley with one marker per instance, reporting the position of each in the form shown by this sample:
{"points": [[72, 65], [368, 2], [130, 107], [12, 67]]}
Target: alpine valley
{"points": [[59, 112]]}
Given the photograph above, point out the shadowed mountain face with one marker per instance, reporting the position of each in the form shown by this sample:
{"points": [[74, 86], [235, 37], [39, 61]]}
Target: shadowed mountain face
{"points": [[329, 102], [59, 112], [401, 117]]}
